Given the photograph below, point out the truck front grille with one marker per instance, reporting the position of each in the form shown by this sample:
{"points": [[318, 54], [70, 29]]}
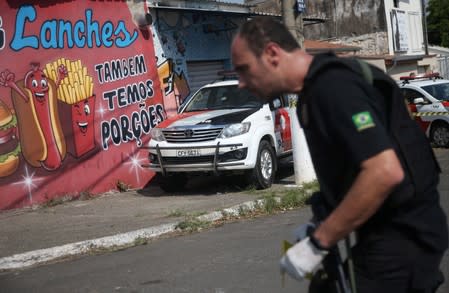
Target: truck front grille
{"points": [[191, 135]]}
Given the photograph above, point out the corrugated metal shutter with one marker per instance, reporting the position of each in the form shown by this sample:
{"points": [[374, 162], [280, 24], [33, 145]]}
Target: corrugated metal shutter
{"points": [[203, 72]]}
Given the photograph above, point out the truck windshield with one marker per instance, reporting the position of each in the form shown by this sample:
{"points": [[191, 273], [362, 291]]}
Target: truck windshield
{"points": [[222, 97], [439, 91]]}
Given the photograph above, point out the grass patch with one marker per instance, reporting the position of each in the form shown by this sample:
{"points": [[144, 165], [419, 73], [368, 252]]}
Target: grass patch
{"points": [[311, 187], [293, 198], [57, 201], [176, 213], [271, 201], [270, 204], [85, 195], [258, 204], [197, 214], [140, 241], [286, 198], [192, 225], [297, 197], [243, 211], [179, 213], [122, 186]]}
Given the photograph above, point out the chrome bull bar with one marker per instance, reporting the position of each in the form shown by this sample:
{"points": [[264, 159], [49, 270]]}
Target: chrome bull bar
{"points": [[217, 148]]}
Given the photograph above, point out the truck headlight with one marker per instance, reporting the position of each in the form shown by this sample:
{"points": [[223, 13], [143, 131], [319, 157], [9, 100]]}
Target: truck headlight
{"points": [[157, 135], [235, 129]]}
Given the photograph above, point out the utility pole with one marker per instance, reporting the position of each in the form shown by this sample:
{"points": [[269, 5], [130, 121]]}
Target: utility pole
{"points": [[424, 25], [293, 20], [302, 163]]}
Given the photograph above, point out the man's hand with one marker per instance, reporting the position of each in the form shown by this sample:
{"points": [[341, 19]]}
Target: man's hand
{"points": [[302, 259]]}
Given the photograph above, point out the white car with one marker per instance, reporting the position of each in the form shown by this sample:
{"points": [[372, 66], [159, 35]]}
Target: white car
{"points": [[221, 129], [428, 100]]}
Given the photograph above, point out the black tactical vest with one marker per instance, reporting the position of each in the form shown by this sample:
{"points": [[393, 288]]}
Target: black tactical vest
{"points": [[410, 143]]}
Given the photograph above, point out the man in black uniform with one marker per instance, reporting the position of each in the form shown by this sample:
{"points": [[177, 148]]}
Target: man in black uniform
{"points": [[376, 170]]}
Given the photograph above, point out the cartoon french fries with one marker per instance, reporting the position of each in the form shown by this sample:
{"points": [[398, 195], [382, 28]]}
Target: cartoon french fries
{"points": [[76, 105]]}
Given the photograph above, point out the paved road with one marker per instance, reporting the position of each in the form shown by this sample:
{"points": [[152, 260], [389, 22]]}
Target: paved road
{"points": [[236, 257]]}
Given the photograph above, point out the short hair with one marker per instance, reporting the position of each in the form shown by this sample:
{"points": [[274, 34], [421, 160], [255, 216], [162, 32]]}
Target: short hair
{"points": [[261, 30]]}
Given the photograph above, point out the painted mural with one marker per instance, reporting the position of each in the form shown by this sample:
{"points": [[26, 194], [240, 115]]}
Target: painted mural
{"points": [[181, 36], [79, 94], [175, 87]]}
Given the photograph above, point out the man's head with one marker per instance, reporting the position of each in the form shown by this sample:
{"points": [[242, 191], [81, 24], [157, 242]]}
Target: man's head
{"points": [[262, 30], [259, 55]]}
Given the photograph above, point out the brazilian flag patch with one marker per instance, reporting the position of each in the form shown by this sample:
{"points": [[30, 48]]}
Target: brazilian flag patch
{"points": [[363, 120]]}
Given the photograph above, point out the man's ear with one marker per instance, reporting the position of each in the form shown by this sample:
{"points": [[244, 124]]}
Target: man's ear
{"points": [[272, 52]]}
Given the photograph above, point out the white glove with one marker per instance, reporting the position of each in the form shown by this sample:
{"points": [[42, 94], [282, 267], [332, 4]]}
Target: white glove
{"points": [[302, 259]]}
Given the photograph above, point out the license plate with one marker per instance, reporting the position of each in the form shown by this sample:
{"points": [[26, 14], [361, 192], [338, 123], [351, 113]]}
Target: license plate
{"points": [[188, 153]]}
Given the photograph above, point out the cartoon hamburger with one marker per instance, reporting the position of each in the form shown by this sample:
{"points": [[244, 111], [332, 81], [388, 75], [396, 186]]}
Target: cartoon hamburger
{"points": [[9, 145]]}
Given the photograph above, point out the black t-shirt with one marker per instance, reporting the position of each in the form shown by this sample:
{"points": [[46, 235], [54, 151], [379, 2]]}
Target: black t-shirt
{"points": [[344, 120]]}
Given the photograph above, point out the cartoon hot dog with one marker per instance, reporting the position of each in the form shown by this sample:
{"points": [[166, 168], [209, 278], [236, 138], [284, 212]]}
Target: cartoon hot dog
{"points": [[35, 103]]}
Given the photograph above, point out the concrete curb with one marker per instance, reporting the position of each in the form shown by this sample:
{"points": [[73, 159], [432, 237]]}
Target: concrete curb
{"points": [[41, 256]]}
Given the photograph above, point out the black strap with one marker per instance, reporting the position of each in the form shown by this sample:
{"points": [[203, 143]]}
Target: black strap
{"points": [[366, 70]]}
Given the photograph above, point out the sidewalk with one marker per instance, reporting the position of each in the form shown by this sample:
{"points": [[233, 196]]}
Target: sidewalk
{"points": [[32, 236]]}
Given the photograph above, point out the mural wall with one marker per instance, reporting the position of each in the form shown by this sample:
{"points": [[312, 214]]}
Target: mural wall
{"points": [[182, 36], [79, 93]]}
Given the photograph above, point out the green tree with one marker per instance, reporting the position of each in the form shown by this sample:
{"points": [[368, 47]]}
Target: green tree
{"points": [[438, 22]]}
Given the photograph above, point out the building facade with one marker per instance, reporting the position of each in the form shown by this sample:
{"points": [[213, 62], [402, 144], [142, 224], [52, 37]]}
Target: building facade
{"points": [[389, 33], [192, 44], [80, 91]]}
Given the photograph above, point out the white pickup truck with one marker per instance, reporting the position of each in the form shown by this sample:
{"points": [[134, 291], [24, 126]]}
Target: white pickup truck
{"points": [[221, 129]]}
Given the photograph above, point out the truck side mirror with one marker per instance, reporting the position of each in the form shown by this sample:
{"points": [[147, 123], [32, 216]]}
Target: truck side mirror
{"points": [[418, 101]]}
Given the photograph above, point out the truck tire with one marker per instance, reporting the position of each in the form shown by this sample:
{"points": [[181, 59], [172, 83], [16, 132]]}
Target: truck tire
{"points": [[172, 182], [262, 176], [439, 134]]}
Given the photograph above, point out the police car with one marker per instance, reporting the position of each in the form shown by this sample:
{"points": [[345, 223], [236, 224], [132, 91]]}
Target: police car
{"points": [[221, 129], [427, 97]]}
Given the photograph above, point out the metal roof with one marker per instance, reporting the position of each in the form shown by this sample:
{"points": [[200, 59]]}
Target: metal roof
{"points": [[200, 5], [222, 6]]}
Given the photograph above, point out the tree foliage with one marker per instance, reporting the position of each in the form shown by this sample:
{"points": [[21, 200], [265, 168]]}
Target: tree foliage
{"points": [[438, 22]]}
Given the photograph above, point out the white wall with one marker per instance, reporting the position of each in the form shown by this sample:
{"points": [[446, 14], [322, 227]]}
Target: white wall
{"points": [[413, 24]]}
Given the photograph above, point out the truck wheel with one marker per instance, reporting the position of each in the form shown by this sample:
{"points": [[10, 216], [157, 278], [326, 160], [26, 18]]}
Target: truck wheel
{"points": [[173, 182], [262, 176], [439, 135]]}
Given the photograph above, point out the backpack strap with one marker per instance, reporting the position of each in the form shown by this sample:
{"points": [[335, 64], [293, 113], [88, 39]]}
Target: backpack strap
{"points": [[366, 70]]}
